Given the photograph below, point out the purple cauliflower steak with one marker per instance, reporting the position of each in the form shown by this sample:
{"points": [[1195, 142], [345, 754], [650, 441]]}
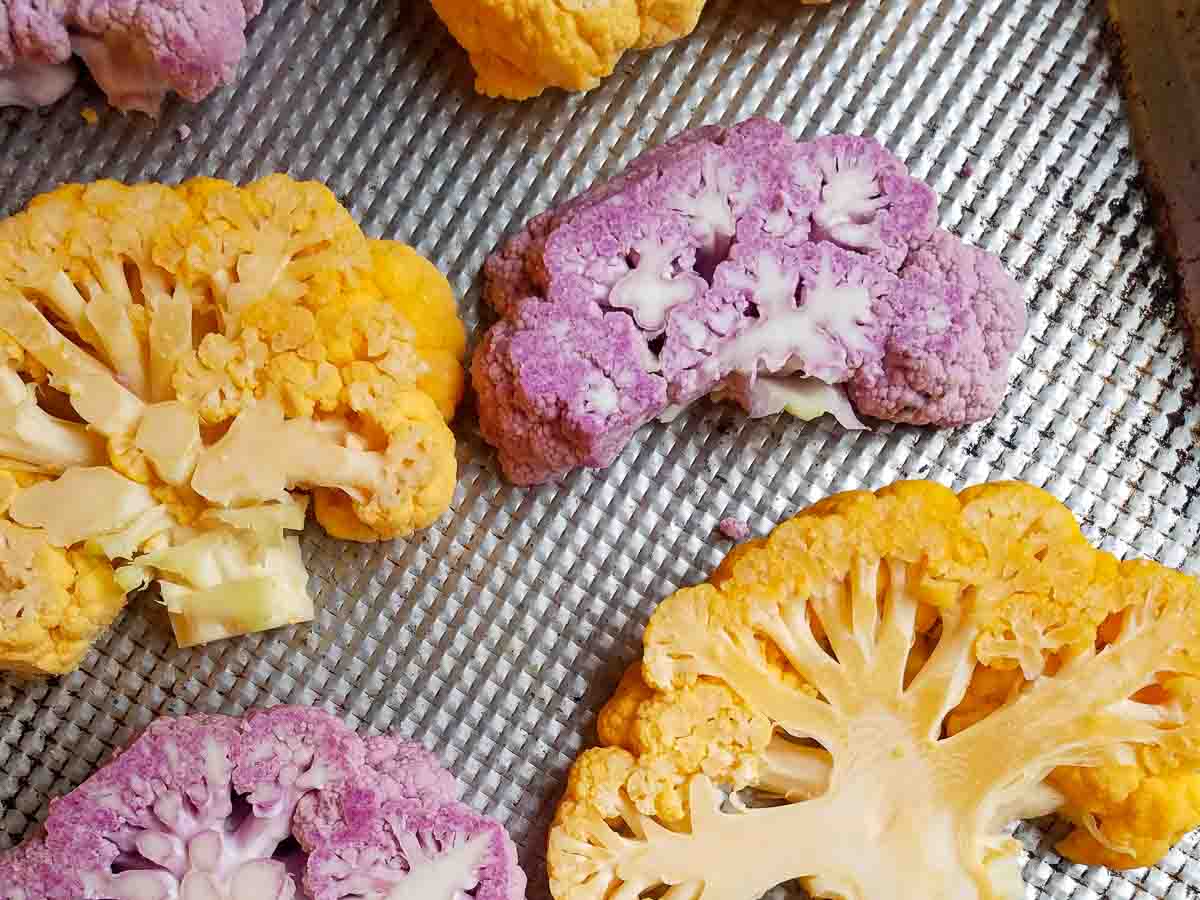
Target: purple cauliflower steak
{"points": [[287, 803], [137, 50], [740, 264]]}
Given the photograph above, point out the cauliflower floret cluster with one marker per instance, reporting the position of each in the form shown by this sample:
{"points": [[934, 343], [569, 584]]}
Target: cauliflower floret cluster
{"points": [[178, 366], [739, 264], [519, 48], [867, 699], [285, 801], [137, 52]]}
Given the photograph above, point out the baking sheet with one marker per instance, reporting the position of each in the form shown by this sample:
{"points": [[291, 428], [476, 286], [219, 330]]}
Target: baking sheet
{"points": [[496, 635]]}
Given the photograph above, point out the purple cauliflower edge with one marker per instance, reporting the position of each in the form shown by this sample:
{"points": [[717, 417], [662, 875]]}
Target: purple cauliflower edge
{"points": [[287, 799]]}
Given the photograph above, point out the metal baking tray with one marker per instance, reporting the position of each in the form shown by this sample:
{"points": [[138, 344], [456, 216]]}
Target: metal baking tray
{"points": [[496, 635]]}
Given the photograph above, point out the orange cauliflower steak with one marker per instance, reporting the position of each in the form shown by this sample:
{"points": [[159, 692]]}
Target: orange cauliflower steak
{"points": [[519, 48], [179, 369], [866, 700]]}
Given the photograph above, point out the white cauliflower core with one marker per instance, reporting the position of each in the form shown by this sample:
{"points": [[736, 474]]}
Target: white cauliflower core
{"points": [[852, 679], [828, 313]]}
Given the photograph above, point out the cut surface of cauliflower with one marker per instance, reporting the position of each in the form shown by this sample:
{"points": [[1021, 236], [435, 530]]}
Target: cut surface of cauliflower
{"points": [[820, 712], [740, 264], [178, 365], [286, 803]]}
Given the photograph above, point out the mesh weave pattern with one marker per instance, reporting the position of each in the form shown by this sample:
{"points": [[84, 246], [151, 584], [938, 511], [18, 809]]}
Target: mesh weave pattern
{"points": [[496, 634]]}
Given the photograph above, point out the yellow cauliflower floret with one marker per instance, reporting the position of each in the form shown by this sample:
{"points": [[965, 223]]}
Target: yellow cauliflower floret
{"points": [[618, 718], [908, 656], [222, 375], [521, 47], [702, 728], [1136, 807], [361, 327], [168, 354], [274, 239], [415, 288], [594, 792], [1047, 589], [1125, 817], [53, 603], [303, 385], [407, 426]]}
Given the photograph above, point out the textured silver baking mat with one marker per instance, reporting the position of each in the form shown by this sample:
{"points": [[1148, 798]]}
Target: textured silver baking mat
{"points": [[495, 636]]}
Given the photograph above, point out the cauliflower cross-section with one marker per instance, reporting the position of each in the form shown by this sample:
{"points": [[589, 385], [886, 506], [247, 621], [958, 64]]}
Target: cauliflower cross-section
{"points": [[835, 655], [519, 48], [286, 803], [178, 366], [740, 264]]}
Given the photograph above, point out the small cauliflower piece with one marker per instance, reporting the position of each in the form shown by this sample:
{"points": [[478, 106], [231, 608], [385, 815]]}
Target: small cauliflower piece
{"points": [[793, 718], [136, 53], [207, 805], [181, 359], [739, 264], [519, 48]]}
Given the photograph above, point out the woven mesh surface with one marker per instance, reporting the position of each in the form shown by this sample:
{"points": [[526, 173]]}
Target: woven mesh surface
{"points": [[496, 634]]}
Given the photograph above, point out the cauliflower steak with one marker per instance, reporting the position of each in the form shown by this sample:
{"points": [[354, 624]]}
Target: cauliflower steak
{"points": [[738, 263], [865, 700], [178, 368]]}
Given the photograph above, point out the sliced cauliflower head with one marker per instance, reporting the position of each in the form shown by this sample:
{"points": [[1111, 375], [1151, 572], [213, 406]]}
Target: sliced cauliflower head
{"points": [[284, 803], [521, 47], [160, 348], [739, 264], [794, 717]]}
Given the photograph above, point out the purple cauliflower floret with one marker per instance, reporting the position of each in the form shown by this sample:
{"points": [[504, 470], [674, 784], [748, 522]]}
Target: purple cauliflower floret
{"points": [[409, 771], [958, 318], [204, 808], [867, 200], [740, 264], [137, 50], [561, 387]]}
